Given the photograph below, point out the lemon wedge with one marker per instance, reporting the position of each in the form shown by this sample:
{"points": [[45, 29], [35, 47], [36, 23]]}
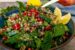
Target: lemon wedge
{"points": [[59, 18], [34, 2], [57, 12], [65, 19]]}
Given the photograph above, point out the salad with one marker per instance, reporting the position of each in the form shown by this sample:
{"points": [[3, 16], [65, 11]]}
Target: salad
{"points": [[31, 28]]}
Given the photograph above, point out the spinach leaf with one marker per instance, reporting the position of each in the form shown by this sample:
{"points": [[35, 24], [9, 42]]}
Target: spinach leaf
{"points": [[46, 43]]}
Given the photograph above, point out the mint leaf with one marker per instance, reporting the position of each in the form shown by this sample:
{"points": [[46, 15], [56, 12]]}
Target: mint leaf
{"points": [[46, 44], [59, 30]]}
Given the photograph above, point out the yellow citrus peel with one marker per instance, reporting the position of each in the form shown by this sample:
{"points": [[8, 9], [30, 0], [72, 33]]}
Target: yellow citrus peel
{"points": [[61, 19], [34, 2]]}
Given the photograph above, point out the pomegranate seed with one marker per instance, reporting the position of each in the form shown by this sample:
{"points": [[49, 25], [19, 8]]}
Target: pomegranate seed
{"points": [[25, 13], [48, 27], [33, 10], [4, 38], [39, 19], [29, 48], [36, 14], [29, 14], [16, 26], [66, 34]]}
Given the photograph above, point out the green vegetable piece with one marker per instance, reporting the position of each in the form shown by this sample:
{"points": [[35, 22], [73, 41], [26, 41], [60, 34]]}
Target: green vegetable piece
{"points": [[25, 37], [45, 18], [45, 24], [31, 6], [11, 33], [66, 28], [46, 44], [59, 30], [22, 6], [34, 33], [9, 23], [13, 39], [33, 19], [26, 18], [38, 42], [19, 45]]}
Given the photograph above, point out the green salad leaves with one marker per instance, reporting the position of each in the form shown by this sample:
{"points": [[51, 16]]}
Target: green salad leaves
{"points": [[31, 27]]}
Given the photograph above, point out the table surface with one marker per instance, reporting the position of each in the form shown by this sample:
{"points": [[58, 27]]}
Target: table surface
{"points": [[70, 46]]}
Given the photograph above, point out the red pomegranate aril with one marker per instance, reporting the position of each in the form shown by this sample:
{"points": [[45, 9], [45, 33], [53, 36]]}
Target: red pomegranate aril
{"points": [[29, 48], [36, 14], [39, 19], [29, 14], [16, 26], [66, 34], [48, 27], [24, 13], [5, 38], [33, 10], [44, 12]]}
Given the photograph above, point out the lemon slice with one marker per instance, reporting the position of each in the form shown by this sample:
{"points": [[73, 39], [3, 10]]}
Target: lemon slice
{"points": [[65, 19], [59, 18], [34, 2], [57, 12]]}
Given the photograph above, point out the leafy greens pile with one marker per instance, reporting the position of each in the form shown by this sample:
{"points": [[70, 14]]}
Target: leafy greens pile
{"points": [[30, 28]]}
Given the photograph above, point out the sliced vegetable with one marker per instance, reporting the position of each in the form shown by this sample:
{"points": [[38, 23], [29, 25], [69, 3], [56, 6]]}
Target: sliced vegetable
{"points": [[45, 18]]}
